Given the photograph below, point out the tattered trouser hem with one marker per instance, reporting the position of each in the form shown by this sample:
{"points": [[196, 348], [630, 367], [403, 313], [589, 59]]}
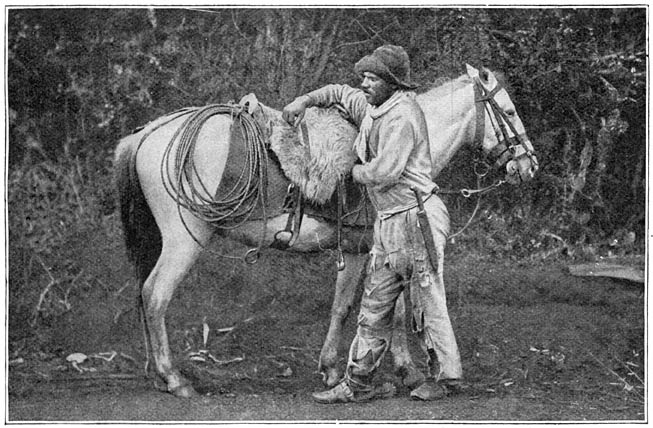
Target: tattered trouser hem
{"points": [[366, 354], [430, 320], [445, 348], [375, 321]]}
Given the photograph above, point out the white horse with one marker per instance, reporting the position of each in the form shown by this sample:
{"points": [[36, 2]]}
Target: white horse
{"points": [[172, 176]]}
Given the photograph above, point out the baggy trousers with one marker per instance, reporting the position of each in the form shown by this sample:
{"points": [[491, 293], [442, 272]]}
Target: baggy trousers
{"points": [[399, 257]]}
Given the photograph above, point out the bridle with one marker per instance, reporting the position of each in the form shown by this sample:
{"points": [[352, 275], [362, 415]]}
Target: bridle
{"points": [[500, 154], [508, 145], [507, 148]]}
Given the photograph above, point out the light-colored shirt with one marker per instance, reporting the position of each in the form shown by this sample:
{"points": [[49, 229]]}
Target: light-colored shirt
{"points": [[398, 144]]}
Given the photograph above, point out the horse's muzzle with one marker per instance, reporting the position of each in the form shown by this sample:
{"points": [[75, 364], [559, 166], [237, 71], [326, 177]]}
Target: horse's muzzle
{"points": [[521, 168]]}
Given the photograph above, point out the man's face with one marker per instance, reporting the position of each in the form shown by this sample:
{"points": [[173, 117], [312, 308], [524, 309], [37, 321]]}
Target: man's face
{"points": [[377, 90]]}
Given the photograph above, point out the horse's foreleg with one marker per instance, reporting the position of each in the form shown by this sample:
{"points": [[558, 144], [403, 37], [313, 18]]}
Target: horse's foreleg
{"points": [[404, 365], [175, 261], [343, 300]]}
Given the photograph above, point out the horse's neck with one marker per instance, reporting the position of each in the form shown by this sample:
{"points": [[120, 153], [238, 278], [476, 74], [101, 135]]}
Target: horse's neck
{"points": [[450, 116]]}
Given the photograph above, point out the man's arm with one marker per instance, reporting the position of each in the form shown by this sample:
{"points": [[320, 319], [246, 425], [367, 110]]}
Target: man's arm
{"points": [[352, 100]]}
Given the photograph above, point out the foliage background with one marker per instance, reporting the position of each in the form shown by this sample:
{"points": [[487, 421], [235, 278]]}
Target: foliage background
{"points": [[80, 78]]}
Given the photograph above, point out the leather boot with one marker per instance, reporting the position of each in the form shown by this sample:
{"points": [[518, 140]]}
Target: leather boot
{"points": [[348, 391], [432, 390]]}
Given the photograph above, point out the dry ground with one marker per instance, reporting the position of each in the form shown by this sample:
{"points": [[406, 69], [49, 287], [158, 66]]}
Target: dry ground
{"points": [[537, 343]]}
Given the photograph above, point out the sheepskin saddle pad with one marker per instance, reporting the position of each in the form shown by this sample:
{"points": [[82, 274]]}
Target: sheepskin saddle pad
{"points": [[317, 161]]}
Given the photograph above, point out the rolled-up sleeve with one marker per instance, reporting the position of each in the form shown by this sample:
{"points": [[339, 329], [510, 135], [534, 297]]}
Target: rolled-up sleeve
{"points": [[351, 99]]}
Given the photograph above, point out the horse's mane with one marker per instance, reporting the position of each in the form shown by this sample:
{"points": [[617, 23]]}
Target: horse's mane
{"points": [[445, 86]]}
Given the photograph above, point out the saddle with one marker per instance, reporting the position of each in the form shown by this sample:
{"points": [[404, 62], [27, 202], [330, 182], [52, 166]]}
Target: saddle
{"points": [[316, 158], [348, 206]]}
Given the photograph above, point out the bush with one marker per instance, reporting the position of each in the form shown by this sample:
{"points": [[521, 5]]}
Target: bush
{"points": [[79, 79], [49, 205]]}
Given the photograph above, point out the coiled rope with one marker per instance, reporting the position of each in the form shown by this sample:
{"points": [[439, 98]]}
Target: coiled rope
{"points": [[185, 186]]}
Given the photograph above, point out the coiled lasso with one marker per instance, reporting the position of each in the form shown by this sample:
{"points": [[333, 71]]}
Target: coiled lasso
{"points": [[236, 204]]}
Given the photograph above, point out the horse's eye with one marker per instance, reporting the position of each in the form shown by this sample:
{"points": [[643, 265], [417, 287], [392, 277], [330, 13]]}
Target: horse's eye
{"points": [[511, 113]]}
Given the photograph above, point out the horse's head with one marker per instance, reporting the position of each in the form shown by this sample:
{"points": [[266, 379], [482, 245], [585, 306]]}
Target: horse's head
{"points": [[499, 130]]}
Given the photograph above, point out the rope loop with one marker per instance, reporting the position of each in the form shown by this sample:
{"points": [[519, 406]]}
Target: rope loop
{"points": [[235, 205]]}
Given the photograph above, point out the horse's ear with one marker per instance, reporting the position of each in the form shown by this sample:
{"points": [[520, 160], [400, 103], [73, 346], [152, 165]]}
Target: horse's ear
{"points": [[471, 71], [488, 77], [250, 102], [485, 74]]}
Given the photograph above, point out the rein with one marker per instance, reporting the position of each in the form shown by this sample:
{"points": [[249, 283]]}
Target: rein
{"points": [[501, 152], [466, 193]]}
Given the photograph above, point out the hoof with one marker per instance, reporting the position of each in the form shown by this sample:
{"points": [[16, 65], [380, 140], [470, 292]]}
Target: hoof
{"points": [[184, 391]]}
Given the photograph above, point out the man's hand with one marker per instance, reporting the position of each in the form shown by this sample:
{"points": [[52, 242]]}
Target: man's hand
{"points": [[293, 113]]}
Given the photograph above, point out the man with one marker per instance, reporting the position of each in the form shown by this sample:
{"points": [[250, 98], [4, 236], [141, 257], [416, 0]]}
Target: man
{"points": [[394, 149]]}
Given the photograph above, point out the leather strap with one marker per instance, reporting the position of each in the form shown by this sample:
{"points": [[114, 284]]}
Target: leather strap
{"points": [[480, 115], [305, 136]]}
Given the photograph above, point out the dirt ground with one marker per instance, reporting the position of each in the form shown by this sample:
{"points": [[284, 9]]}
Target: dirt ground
{"points": [[537, 344]]}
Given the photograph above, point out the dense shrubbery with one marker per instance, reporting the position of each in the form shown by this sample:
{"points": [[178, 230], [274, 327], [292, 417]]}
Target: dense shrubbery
{"points": [[78, 79]]}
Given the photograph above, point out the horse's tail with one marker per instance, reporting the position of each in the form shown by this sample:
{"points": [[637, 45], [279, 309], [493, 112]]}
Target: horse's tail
{"points": [[142, 236]]}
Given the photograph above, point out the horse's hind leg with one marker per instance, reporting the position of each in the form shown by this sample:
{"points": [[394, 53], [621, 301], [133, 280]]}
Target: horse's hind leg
{"points": [[343, 300], [404, 365], [177, 257]]}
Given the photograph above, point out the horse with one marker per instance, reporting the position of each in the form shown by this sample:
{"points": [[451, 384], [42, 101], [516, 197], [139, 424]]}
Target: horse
{"points": [[185, 176]]}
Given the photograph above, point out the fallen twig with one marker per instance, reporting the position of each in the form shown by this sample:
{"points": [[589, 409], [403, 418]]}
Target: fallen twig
{"points": [[127, 357], [113, 376], [632, 373], [102, 284], [556, 237], [224, 362], [233, 327], [627, 386], [47, 269], [106, 356], [294, 348], [117, 293]]}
